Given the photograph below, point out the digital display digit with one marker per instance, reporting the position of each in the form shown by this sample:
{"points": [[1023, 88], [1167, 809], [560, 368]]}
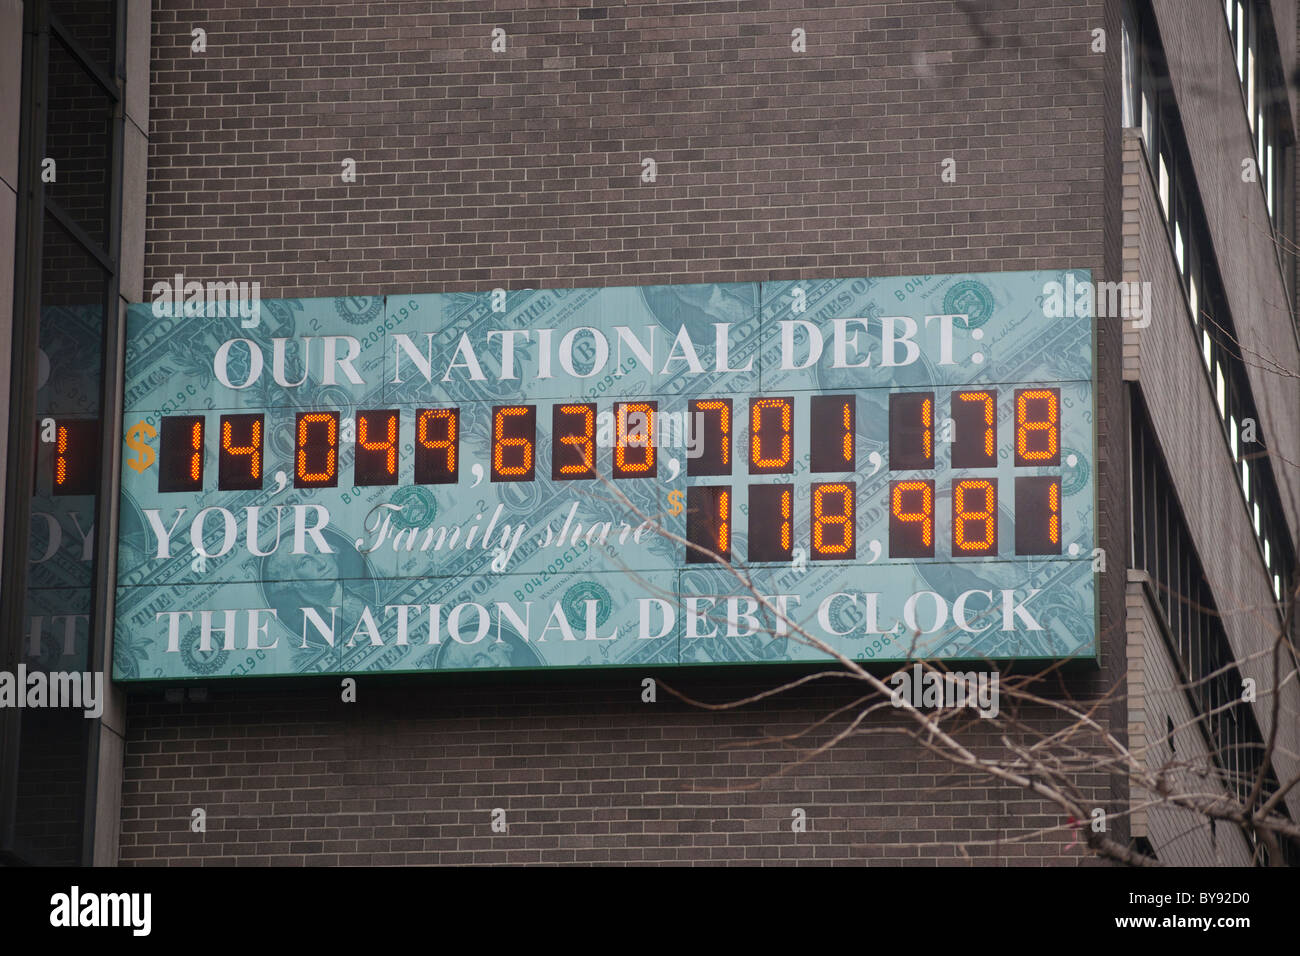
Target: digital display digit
{"points": [[911, 519], [1038, 426], [316, 450], [708, 522], [514, 442], [239, 459], [911, 431], [180, 453], [573, 442], [834, 516], [375, 461], [831, 428], [437, 446], [76, 456], [975, 429], [975, 517], [771, 522], [1038, 515], [634, 440], [713, 418], [771, 436]]}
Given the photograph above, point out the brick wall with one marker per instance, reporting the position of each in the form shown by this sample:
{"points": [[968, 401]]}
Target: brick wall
{"points": [[476, 170], [474, 167], [585, 772]]}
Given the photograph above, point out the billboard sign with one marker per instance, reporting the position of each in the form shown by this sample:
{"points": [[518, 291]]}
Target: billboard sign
{"points": [[551, 478]]}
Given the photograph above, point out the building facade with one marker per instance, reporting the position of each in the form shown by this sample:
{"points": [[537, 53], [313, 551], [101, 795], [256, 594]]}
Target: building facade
{"points": [[352, 150]]}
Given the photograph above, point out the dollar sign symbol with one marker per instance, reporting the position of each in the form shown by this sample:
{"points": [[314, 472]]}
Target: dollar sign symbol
{"points": [[135, 442], [675, 502]]}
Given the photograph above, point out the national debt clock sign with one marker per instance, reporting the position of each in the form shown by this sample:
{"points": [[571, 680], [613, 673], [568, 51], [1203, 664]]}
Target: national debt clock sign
{"points": [[901, 466]]}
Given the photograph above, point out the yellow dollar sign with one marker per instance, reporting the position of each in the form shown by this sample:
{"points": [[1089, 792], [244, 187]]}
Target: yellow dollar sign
{"points": [[135, 442], [675, 502]]}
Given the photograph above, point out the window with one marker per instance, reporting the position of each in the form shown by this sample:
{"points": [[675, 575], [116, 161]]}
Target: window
{"points": [[1128, 72], [1260, 70], [64, 315], [1163, 190], [1241, 40], [1162, 546]]}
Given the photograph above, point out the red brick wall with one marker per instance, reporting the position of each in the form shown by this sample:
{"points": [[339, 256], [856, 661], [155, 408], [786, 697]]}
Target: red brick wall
{"points": [[476, 170]]}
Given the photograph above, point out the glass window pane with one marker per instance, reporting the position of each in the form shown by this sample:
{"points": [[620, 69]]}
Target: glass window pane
{"points": [[1241, 41], [92, 24], [1128, 79], [53, 749], [1164, 185], [78, 138], [1268, 176], [1250, 86]]}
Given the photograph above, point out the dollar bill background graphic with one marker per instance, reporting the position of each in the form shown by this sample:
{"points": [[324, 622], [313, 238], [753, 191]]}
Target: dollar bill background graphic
{"points": [[170, 371]]}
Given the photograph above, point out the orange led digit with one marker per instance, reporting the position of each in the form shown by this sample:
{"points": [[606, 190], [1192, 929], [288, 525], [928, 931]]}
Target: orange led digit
{"points": [[846, 443], [1038, 515], [180, 453], [787, 526], [634, 442], [974, 416], [831, 433], [196, 457], [239, 459], [911, 519], [514, 435], [709, 437], [1038, 426], [974, 517], [833, 519], [316, 448], [927, 428], [708, 523], [911, 431], [76, 456], [437, 438], [723, 408], [771, 525], [1054, 513], [375, 462], [61, 455], [724, 523], [771, 436], [573, 437]]}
